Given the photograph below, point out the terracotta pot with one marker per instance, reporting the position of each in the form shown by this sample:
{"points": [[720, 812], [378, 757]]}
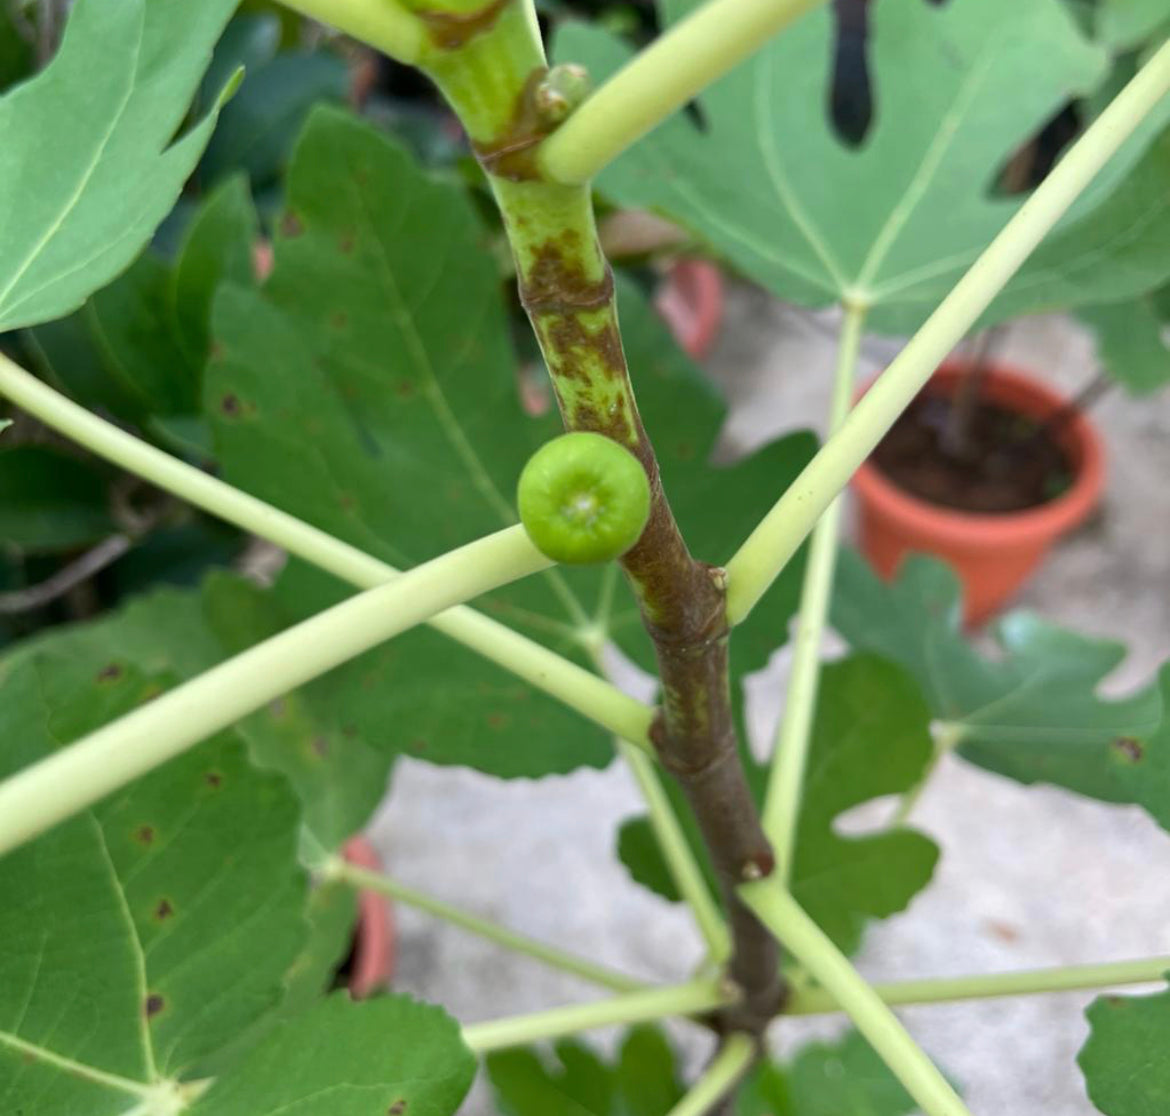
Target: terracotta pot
{"points": [[375, 935], [691, 302], [994, 554]]}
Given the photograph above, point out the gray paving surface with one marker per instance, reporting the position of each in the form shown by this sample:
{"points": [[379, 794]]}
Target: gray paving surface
{"points": [[1029, 877]]}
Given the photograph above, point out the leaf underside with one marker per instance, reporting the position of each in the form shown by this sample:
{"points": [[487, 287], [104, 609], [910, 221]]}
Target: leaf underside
{"points": [[132, 913], [893, 223], [90, 169], [167, 934]]}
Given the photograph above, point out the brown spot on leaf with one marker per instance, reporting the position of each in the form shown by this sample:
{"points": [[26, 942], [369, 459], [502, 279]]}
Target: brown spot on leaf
{"points": [[320, 746], [1129, 749], [346, 244], [397, 1108], [216, 352], [154, 1004], [110, 673], [404, 389], [230, 405], [145, 835], [213, 779], [339, 319], [497, 720], [291, 225], [164, 910]]}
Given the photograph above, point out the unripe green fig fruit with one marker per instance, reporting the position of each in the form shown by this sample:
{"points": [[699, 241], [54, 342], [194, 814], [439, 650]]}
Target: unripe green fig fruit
{"points": [[583, 498]]}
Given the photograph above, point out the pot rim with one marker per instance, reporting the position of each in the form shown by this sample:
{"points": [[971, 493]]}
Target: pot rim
{"points": [[374, 928], [1080, 439]]}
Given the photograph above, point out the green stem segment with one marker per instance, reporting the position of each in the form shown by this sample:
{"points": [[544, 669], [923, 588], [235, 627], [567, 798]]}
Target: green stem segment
{"points": [[360, 878], [1074, 978], [693, 998], [591, 696], [673, 70], [825, 962], [68, 781], [380, 23], [782, 805], [733, 1060], [768, 549]]}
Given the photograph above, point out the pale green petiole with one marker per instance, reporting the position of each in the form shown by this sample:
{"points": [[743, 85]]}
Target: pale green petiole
{"points": [[727, 1067], [68, 781], [770, 546], [782, 804], [805, 940], [673, 70], [580, 689], [679, 856], [947, 737], [353, 876], [985, 986], [384, 24], [635, 1007]]}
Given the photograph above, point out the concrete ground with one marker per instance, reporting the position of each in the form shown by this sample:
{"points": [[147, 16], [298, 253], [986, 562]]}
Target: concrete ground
{"points": [[1029, 877]]}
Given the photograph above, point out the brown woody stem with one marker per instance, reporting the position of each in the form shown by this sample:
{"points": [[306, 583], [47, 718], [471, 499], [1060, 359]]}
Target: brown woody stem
{"points": [[567, 289]]}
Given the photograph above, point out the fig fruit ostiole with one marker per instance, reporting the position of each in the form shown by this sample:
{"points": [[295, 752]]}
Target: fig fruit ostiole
{"points": [[583, 499]]}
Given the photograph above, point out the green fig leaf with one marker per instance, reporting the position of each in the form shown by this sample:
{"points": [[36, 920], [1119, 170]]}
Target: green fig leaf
{"points": [[1124, 1060], [89, 162], [1033, 712], [761, 176]]}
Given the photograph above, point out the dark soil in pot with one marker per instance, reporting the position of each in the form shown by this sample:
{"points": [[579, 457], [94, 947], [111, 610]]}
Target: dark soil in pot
{"points": [[1008, 462]]}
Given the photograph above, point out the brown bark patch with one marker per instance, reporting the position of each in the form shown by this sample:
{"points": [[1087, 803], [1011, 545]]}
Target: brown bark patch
{"points": [[451, 30]]}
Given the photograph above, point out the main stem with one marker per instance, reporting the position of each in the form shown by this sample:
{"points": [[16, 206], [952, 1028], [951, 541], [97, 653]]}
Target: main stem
{"points": [[499, 85], [782, 805]]}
